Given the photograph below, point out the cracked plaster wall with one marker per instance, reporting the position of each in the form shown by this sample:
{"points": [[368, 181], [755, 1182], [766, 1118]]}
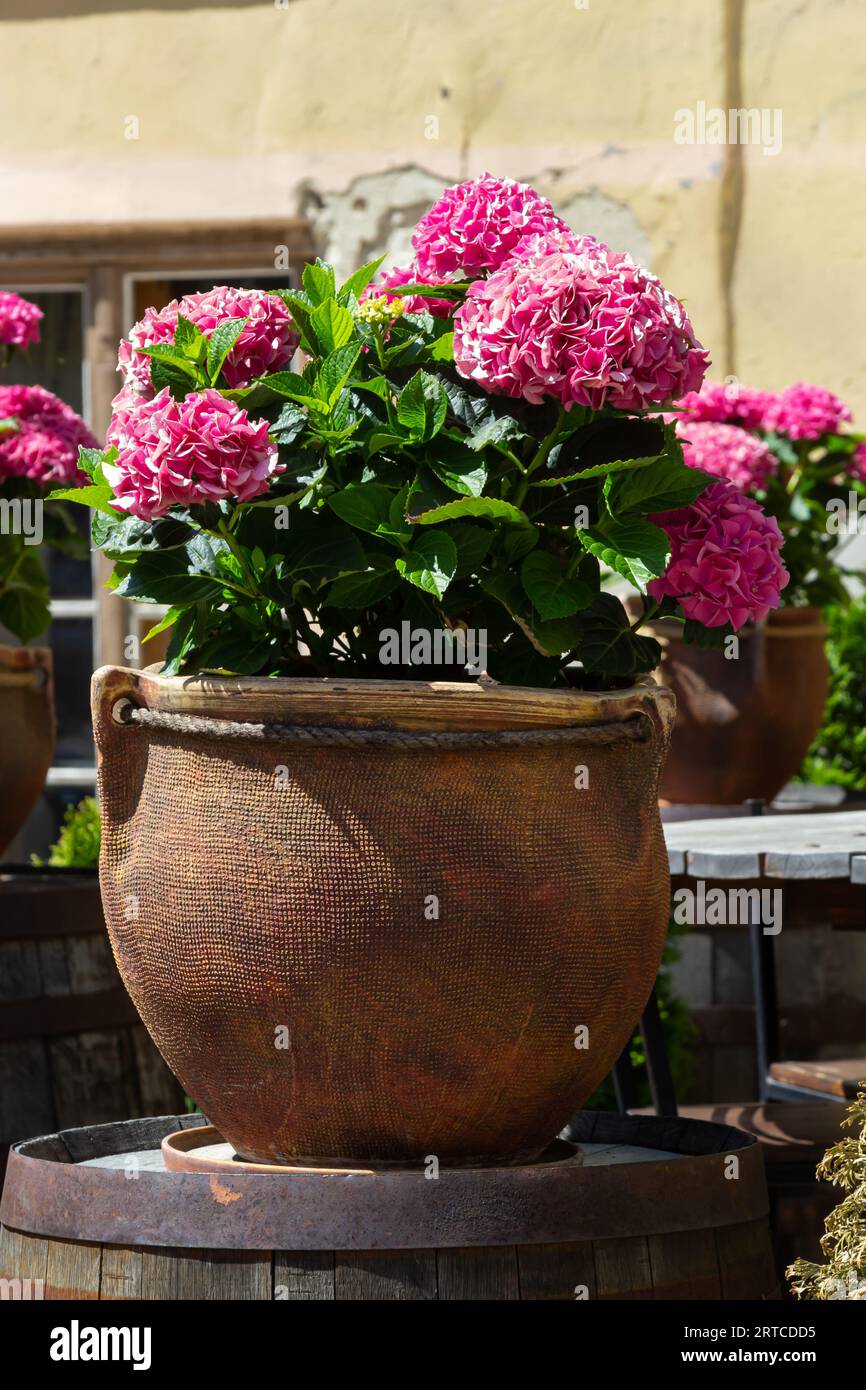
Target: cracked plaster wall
{"points": [[356, 114]]}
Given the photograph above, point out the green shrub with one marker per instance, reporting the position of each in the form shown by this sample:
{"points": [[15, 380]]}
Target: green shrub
{"points": [[844, 1244], [838, 754], [77, 846]]}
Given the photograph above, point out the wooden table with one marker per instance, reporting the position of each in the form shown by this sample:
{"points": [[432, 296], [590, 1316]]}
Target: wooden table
{"points": [[798, 848], [817, 861]]}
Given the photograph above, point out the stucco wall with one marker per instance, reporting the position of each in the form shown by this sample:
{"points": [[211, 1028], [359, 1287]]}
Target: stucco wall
{"points": [[356, 113]]}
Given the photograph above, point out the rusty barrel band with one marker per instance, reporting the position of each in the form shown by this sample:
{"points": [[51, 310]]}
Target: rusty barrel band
{"points": [[535, 1204]]}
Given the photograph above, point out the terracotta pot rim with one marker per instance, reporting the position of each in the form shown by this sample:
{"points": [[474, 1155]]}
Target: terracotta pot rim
{"points": [[781, 622], [25, 667], [408, 704], [24, 658]]}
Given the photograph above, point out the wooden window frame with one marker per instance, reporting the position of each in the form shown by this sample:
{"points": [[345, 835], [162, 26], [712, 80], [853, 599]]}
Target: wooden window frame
{"points": [[102, 259]]}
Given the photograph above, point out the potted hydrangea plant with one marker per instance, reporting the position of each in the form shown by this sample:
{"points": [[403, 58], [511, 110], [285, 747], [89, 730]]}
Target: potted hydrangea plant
{"points": [[748, 712], [382, 860], [39, 441]]}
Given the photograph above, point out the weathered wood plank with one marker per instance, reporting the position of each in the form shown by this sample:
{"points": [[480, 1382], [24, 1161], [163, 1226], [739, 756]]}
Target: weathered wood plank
{"points": [[562, 1272], [723, 863], [73, 1270], [858, 868], [745, 1260], [160, 1275], [304, 1275], [385, 1274], [622, 1268], [20, 976], [54, 967], [206, 1275], [90, 964], [26, 1096], [807, 863], [120, 1276], [677, 861], [830, 830], [245, 1275], [118, 1137], [842, 1077], [684, 1265], [91, 1083], [159, 1091], [23, 1258], [478, 1275]]}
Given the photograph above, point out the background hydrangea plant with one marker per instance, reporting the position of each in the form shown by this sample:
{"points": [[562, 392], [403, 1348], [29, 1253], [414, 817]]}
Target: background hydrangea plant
{"points": [[794, 452], [40, 438], [469, 441]]}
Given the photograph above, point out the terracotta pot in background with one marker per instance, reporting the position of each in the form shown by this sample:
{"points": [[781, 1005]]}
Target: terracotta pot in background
{"points": [[744, 725], [26, 733], [378, 953]]}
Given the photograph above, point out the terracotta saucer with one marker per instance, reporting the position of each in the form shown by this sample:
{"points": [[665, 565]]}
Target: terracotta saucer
{"points": [[204, 1150]]}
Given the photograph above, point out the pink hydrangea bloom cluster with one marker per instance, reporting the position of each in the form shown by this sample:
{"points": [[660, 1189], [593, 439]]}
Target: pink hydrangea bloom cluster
{"points": [[19, 320], [725, 564], [726, 451], [582, 324], [477, 226], [44, 443], [802, 411], [857, 463], [388, 287], [727, 403], [179, 453], [266, 344]]}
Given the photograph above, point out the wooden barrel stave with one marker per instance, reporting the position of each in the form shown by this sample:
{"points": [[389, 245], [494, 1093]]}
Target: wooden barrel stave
{"points": [[689, 1266], [73, 1050]]}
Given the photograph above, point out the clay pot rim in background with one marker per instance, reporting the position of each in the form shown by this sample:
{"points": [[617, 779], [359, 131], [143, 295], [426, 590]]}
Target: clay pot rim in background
{"points": [[779, 622], [19, 663]]}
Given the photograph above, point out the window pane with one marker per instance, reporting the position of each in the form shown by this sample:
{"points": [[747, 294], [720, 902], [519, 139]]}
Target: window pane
{"points": [[70, 641], [55, 362], [150, 293]]}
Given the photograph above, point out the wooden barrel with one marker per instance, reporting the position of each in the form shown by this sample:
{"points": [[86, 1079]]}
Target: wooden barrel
{"points": [[641, 1208], [73, 1050]]}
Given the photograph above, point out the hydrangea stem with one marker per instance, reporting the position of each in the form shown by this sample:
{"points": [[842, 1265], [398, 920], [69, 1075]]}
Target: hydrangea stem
{"points": [[540, 457]]}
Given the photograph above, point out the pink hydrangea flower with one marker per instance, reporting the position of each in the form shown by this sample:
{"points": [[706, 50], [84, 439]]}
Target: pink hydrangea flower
{"points": [[44, 443], [477, 225], [19, 320], [267, 341], [802, 411], [728, 403], [178, 453], [857, 463], [726, 451], [156, 327], [388, 286], [586, 327], [725, 564]]}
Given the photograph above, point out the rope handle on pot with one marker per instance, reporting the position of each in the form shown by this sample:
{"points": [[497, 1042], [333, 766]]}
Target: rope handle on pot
{"points": [[636, 729]]}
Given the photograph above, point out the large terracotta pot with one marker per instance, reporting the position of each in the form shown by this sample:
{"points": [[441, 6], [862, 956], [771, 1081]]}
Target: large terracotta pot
{"points": [[26, 733], [744, 725], [381, 945]]}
